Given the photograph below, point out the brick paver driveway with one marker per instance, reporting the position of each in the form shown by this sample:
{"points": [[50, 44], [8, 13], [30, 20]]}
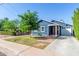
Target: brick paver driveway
{"points": [[68, 46]]}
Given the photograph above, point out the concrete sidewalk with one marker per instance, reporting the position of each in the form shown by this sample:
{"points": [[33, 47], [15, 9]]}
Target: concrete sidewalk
{"points": [[15, 49], [68, 46]]}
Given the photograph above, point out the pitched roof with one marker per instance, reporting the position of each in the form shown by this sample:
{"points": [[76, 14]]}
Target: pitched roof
{"points": [[61, 22], [54, 21], [45, 21]]}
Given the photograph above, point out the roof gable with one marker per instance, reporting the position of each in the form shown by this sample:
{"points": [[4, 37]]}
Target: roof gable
{"points": [[44, 21], [56, 22], [62, 23]]}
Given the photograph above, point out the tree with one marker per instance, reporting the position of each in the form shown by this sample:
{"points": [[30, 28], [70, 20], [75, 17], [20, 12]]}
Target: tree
{"points": [[1, 21], [0, 25], [8, 25], [76, 22], [29, 21]]}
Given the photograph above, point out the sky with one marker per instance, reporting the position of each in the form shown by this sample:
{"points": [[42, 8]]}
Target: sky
{"points": [[46, 11]]}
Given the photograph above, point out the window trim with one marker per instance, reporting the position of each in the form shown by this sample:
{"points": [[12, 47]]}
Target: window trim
{"points": [[41, 28], [35, 31]]}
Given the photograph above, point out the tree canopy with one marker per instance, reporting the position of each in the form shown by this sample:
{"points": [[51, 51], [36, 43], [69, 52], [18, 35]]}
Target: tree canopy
{"points": [[29, 21], [76, 22], [8, 25], [26, 22]]}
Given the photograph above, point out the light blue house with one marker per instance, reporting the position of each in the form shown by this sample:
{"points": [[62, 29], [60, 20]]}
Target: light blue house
{"points": [[53, 28]]}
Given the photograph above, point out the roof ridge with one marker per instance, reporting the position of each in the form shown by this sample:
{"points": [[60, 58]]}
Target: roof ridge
{"points": [[55, 21], [61, 22]]}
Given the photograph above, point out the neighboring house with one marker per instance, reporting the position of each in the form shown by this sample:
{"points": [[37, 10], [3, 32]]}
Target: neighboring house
{"points": [[53, 28]]}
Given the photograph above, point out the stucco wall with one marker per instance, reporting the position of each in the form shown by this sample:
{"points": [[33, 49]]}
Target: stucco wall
{"points": [[43, 23]]}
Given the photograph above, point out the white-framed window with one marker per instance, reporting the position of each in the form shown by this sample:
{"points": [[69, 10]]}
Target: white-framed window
{"points": [[35, 30], [42, 28]]}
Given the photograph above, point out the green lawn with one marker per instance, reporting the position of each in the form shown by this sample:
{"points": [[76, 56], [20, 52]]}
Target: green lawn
{"points": [[23, 40], [5, 33]]}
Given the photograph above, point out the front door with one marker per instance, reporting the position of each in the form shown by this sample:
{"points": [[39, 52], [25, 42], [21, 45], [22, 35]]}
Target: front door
{"points": [[51, 30]]}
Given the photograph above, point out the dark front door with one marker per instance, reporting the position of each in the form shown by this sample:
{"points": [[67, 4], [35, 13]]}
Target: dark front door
{"points": [[60, 30], [51, 30]]}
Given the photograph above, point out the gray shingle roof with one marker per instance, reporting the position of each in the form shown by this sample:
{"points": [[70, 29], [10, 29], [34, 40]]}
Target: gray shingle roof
{"points": [[54, 21], [61, 22]]}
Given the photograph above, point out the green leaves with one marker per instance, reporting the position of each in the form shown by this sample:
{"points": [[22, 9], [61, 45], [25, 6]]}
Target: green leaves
{"points": [[8, 25], [29, 21], [76, 22]]}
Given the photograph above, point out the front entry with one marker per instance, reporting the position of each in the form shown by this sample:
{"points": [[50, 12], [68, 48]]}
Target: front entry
{"points": [[55, 30], [51, 30]]}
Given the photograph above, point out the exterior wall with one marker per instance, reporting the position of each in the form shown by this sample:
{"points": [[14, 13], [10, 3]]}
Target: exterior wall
{"points": [[39, 33], [66, 31]]}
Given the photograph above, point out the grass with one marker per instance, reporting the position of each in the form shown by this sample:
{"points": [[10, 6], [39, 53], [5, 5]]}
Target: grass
{"points": [[27, 40], [23, 40], [5, 33]]}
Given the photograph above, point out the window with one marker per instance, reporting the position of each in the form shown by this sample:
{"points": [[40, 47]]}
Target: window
{"points": [[42, 28], [35, 30]]}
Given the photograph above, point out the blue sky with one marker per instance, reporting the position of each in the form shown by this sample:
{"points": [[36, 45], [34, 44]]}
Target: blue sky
{"points": [[45, 11]]}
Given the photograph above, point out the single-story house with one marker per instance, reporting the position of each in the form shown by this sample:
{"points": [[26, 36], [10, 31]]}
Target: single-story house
{"points": [[53, 28]]}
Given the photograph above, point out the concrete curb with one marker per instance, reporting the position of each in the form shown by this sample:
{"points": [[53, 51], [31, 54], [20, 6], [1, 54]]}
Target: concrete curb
{"points": [[15, 49]]}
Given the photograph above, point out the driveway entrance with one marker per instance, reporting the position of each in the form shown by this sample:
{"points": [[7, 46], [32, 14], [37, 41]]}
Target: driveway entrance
{"points": [[68, 46]]}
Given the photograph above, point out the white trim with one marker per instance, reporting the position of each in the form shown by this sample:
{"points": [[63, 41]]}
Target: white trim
{"points": [[35, 31], [41, 28], [55, 24]]}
